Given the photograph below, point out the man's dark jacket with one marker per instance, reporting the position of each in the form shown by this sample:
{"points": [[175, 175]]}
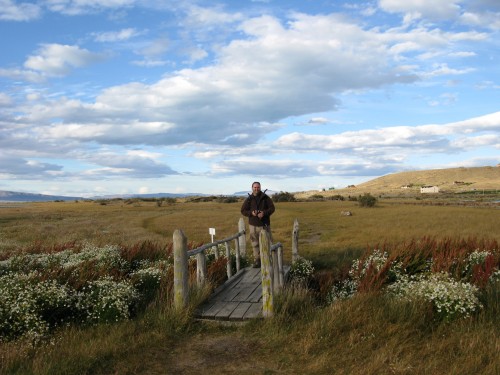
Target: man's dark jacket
{"points": [[259, 202]]}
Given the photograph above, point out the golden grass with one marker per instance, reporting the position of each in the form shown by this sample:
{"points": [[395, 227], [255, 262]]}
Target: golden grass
{"points": [[367, 334], [323, 231]]}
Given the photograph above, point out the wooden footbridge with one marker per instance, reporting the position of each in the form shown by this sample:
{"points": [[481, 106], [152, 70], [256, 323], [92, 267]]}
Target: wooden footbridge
{"points": [[240, 298], [249, 293]]}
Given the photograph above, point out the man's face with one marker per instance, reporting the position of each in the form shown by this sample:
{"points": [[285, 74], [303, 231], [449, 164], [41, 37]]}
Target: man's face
{"points": [[255, 189]]}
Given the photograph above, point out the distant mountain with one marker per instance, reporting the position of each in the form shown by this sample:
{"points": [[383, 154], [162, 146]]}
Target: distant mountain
{"points": [[245, 193], [13, 196], [154, 195]]}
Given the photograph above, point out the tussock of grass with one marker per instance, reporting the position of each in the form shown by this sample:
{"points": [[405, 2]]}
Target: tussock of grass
{"points": [[373, 334]]}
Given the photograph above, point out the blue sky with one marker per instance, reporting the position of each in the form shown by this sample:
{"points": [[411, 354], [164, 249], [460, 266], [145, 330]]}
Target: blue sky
{"points": [[141, 96]]}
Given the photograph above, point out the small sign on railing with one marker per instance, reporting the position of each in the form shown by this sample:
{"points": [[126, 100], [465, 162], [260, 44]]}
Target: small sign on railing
{"points": [[211, 231]]}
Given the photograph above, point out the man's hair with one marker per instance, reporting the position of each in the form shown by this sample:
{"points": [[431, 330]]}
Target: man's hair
{"points": [[256, 182]]}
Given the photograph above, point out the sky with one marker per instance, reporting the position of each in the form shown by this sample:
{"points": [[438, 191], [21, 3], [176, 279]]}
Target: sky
{"points": [[103, 97]]}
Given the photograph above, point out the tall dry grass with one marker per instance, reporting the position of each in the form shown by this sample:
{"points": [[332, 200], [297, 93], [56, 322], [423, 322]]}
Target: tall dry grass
{"points": [[368, 334]]}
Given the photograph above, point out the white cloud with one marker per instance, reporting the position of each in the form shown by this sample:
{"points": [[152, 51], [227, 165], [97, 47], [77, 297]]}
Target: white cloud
{"points": [[10, 11], [406, 139], [318, 120], [303, 168], [22, 75], [59, 59], [431, 9], [155, 47], [5, 100], [203, 17], [487, 19], [138, 164], [117, 36], [77, 7], [444, 69]]}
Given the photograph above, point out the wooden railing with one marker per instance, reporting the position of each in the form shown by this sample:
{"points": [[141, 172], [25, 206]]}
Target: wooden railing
{"points": [[272, 270]]}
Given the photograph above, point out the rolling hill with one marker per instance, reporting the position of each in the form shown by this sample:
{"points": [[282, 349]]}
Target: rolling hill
{"points": [[452, 180]]}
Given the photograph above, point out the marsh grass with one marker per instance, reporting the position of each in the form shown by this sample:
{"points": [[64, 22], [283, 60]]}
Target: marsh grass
{"points": [[369, 333]]}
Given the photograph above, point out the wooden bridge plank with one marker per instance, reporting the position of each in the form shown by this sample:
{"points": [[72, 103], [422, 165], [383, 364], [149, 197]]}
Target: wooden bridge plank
{"points": [[256, 296], [240, 311], [254, 311], [246, 292], [226, 310], [227, 295], [212, 311]]}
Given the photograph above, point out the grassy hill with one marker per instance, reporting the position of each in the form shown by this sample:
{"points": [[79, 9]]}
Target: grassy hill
{"points": [[453, 180]]}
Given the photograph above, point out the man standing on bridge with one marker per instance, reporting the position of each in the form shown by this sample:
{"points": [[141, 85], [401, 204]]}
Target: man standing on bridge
{"points": [[258, 207]]}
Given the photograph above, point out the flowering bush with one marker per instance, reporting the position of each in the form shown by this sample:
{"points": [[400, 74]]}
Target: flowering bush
{"points": [[147, 278], [301, 270], [450, 298], [410, 277], [106, 300], [342, 290], [41, 291], [30, 306], [376, 260]]}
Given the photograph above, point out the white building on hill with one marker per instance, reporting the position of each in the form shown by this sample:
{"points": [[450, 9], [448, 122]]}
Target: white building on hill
{"points": [[429, 189]]}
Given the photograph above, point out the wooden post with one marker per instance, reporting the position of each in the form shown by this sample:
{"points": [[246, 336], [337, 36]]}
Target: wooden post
{"points": [[281, 278], [201, 268], [266, 274], [238, 262], [242, 239], [295, 241], [228, 258], [276, 283], [180, 269], [216, 251]]}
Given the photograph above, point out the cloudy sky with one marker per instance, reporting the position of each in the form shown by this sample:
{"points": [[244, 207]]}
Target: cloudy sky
{"points": [[146, 96]]}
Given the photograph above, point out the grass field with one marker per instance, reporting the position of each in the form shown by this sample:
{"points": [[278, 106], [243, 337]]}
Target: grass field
{"points": [[364, 335]]}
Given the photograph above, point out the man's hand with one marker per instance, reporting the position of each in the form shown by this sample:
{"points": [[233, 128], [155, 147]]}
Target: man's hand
{"points": [[259, 214]]}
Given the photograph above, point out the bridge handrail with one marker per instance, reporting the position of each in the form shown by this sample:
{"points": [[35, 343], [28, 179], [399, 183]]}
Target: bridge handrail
{"points": [[215, 243]]}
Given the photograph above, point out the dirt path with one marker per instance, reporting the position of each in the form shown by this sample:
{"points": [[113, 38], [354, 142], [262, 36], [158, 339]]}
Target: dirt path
{"points": [[208, 353]]}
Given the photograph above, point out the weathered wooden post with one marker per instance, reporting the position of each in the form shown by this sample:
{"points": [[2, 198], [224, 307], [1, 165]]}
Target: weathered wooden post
{"points": [[180, 269], [242, 240], [266, 274], [237, 246], [295, 241], [276, 283], [201, 268], [228, 258], [281, 274]]}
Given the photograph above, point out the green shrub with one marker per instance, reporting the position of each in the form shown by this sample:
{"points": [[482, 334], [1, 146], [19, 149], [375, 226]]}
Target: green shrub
{"points": [[227, 199], [283, 197], [367, 200], [316, 197], [337, 197]]}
